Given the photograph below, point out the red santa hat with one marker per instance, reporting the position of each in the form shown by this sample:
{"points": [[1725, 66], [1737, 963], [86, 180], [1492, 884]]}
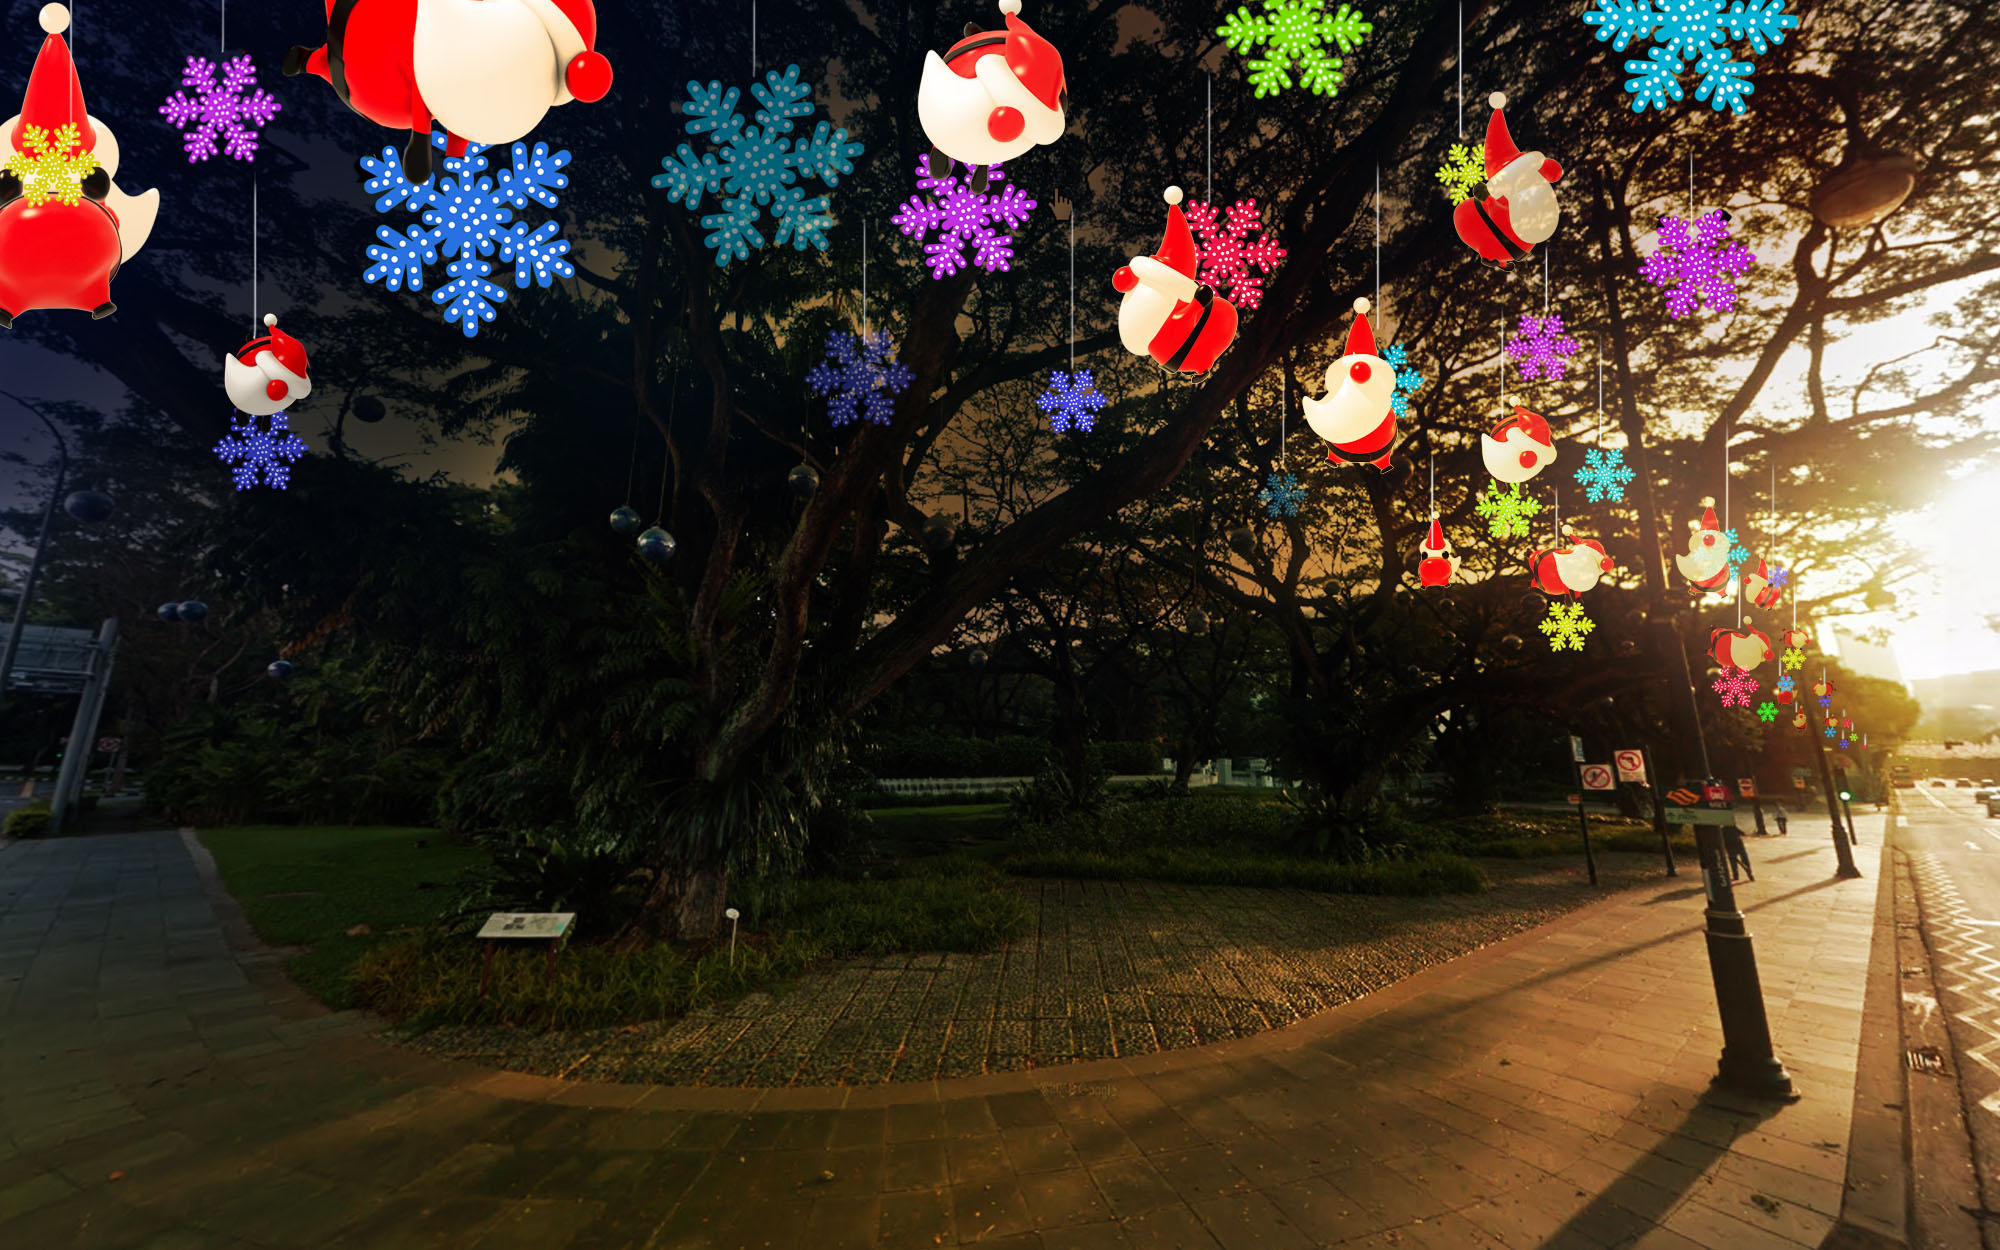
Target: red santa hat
{"points": [[55, 95], [1529, 423], [1032, 59], [1177, 250], [572, 27], [1361, 335], [1708, 521], [1434, 541], [1500, 149], [288, 356]]}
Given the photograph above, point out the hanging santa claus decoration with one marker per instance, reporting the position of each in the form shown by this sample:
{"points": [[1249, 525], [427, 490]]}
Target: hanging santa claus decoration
{"points": [[486, 71], [1571, 569], [1706, 564], [1519, 209], [1519, 447], [1798, 640], [1799, 719], [1758, 589], [266, 375], [1744, 648], [1357, 416], [65, 227], [1182, 324], [1436, 565], [992, 96]]}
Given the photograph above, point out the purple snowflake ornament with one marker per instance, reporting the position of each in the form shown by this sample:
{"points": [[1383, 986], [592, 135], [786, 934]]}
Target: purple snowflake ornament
{"points": [[962, 217], [229, 108], [1541, 349], [1072, 400], [1697, 264], [1228, 256]]}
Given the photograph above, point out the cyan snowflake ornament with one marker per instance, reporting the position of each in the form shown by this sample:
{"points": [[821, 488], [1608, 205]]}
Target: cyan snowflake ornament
{"points": [[964, 218], [1541, 349], [1738, 556], [1735, 686], [1071, 401], [1690, 31], [861, 376], [1604, 475], [1230, 260], [1282, 495], [466, 215], [1698, 264], [1566, 625], [1507, 511], [1829, 731], [1408, 380], [261, 454], [220, 103], [1767, 711], [1463, 171], [1295, 33], [759, 166]]}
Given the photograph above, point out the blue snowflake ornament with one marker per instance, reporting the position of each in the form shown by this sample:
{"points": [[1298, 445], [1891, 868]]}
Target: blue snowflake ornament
{"points": [[861, 376], [759, 168], [1690, 31], [220, 101], [1282, 495], [1780, 576], [1072, 401], [260, 455], [1604, 475], [467, 214], [1407, 379], [1786, 682]]}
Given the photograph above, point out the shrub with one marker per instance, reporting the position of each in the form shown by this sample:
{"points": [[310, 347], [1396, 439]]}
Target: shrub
{"points": [[1177, 820], [592, 873], [1416, 876], [1056, 793], [1130, 757], [30, 820], [922, 754]]}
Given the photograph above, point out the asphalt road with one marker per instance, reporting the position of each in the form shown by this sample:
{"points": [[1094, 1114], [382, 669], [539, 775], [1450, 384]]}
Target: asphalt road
{"points": [[1954, 851]]}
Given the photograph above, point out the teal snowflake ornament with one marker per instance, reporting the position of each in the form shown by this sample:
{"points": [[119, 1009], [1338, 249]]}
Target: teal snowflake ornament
{"points": [[1604, 475], [1566, 625], [1739, 555], [1295, 32], [1793, 659], [1829, 731], [467, 214], [1282, 495], [1072, 399], [1507, 511], [1767, 711], [1407, 379], [759, 166], [1463, 171], [1690, 31]]}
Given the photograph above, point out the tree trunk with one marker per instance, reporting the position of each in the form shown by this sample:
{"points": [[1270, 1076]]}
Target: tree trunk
{"points": [[685, 903]]}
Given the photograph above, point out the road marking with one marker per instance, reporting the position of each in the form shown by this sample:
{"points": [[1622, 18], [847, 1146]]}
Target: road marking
{"points": [[1975, 846], [1968, 958], [1902, 822]]}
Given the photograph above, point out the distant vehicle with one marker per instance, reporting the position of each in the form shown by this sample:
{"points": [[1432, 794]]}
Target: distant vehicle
{"points": [[1980, 796], [1899, 777], [1964, 782], [1993, 806]]}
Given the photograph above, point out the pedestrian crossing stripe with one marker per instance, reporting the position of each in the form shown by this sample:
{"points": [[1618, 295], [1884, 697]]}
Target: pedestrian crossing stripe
{"points": [[1683, 797]]}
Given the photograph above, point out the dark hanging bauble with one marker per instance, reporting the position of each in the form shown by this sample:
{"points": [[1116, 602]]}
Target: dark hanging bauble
{"points": [[1197, 623], [1511, 644], [976, 658], [279, 670], [1628, 647], [656, 546], [1242, 541], [625, 519], [170, 611], [369, 409], [1533, 604], [938, 533], [194, 611], [88, 506], [803, 479]]}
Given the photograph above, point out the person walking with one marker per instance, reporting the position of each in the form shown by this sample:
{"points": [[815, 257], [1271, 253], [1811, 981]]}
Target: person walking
{"points": [[1732, 844], [1781, 820]]}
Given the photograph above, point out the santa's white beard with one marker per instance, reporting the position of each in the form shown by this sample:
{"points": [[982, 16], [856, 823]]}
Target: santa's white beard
{"points": [[1140, 315], [1503, 456], [487, 69], [245, 385], [1703, 562], [1578, 569], [1532, 212], [1354, 409]]}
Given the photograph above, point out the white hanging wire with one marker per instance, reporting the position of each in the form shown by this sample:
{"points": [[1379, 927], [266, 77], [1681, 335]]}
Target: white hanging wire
{"points": [[1461, 70], [254, 323], [1600, 393], [753, 40], [1434, 485], [864, 279], [222, 34], [1209, 145], [1378, 245], [1545, 281], [1284, 410], [1072, 293]]}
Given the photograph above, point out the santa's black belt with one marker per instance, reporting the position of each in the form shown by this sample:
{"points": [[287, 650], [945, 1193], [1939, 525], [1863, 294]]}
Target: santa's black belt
{"points": [[1479, 206], [973, 45], [1206, 298]]}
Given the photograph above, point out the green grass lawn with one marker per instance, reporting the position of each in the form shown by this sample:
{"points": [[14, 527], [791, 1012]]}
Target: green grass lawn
{"points": [[978, 830], [308, 886]]}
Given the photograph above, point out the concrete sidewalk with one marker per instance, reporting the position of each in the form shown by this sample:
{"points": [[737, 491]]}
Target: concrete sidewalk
{"points": [[1546, 1091]]}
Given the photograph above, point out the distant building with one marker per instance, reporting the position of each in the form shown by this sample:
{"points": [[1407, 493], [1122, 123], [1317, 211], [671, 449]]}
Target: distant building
{"points": [[1866, 659]]}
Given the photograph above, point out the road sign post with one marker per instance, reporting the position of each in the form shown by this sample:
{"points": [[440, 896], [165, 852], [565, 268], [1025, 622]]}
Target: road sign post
{"points": [[1659, 812], [1589, 777]]}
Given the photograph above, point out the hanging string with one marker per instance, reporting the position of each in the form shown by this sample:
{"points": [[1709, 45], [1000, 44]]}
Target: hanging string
{"points": [[1600, 393], [1690, 184], [1284, 410], [1378, 247], [1545, 281], [1726, 432], [1209, 185], [1461, 69], [222, 34], [254, 323], [1434, 485], [1072, 293], [864, 278], [1503, 366], [753, 40], [1556, 497]]}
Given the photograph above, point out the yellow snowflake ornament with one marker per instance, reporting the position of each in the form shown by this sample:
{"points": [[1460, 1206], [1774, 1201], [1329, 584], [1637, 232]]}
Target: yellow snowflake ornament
{"points": [[51, 167]]}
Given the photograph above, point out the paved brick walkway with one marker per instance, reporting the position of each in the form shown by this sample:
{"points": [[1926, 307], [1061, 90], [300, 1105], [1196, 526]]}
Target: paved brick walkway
{"points": [[1544, 1092], [1110, 970]]}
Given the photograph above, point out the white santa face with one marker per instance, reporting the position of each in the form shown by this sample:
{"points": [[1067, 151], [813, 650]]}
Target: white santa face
{"points": [[1706, 556], [1358, 391], [1744, 651], [1517, 457], [1532, 210], [956, 113], [250, 387], [487, 69], [1578, 568]]}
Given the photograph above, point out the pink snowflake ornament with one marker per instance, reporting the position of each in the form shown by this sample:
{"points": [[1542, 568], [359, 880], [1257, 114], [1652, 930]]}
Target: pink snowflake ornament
{"points": [[1735, 686], [1541, 349], [1228, 258], [1697, 264], [220, 114], [964, 218]]}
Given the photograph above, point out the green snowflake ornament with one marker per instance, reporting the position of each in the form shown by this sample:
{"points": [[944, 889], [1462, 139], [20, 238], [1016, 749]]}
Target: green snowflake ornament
{"points": [[1295, 32], [1463, 171], [1767, 711], [1566, 625], [1508, 511]]}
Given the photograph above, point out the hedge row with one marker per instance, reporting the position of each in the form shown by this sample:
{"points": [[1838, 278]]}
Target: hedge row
{"points": [[1013, 755]]}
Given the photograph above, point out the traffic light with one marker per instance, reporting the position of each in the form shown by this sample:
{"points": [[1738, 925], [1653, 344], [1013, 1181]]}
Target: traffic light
{"points": [[1846, 796]]}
